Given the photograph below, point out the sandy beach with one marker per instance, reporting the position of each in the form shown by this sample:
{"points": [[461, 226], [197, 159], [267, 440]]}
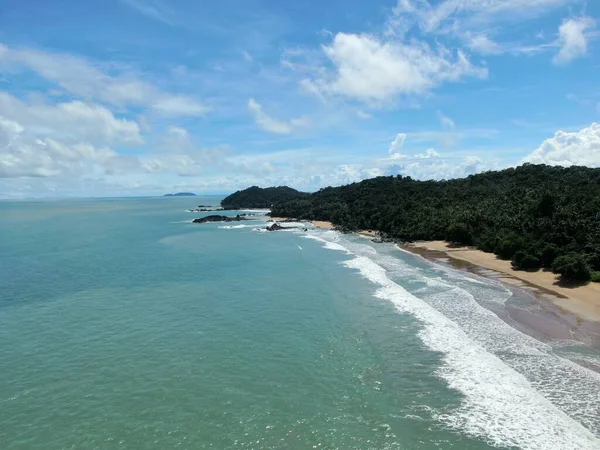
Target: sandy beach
{"points": [[582, 301]]}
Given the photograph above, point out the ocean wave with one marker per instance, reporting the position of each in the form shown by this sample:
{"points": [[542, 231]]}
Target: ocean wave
{"points": [[236, 227], [327, 244], [515, 391]]}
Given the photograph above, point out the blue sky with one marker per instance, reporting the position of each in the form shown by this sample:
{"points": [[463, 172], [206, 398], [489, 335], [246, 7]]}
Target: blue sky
{"points": [[142, 97]]}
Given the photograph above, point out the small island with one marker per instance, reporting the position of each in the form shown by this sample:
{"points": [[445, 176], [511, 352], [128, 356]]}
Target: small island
{"points": [[181, 194]]}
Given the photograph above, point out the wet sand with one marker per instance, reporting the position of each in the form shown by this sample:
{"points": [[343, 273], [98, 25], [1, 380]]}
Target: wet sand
{"points": [[581, 300], [533, 309]]}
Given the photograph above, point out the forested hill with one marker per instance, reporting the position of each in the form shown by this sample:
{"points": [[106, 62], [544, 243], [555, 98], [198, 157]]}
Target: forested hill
{"points": [[536, 215], [255, 197]]}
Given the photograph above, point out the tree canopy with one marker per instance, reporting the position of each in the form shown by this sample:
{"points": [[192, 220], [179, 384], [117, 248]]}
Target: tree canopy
{"points": [[530, 214], [255, 197]]}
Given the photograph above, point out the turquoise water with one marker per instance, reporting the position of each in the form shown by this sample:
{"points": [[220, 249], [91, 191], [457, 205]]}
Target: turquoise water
{"points": [[122, 325]]}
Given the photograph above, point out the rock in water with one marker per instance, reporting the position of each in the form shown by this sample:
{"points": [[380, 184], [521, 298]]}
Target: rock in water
{"points": [[216, 218]]}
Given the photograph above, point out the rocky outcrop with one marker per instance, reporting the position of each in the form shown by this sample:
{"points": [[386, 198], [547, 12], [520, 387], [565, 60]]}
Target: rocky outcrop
{"points": [[277, 227], [216, 218]]}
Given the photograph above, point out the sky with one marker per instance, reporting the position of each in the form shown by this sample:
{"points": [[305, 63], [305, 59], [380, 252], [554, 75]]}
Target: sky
{"points": [[146, 97]]}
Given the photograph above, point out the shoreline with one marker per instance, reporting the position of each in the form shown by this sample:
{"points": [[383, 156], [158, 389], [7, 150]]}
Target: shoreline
{"points": [[322, 224], [537, 308], [552, 311], [582, 301]]}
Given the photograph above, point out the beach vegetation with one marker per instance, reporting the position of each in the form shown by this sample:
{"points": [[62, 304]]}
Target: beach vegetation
{"points": [[544, 211], [572, 267], [459, 233], [525, 261]]}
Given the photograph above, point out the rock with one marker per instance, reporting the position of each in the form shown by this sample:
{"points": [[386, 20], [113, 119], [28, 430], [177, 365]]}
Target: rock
{"points": [[216, 218], [275, 227]]}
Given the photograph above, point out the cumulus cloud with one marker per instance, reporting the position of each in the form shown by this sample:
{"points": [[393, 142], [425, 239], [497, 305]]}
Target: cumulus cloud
{"points": [[24, 155], [79, 77], [71, 121], [378, 72], [572, 39], [432, 165], [479, 42], [580, 148], [272, 125]]}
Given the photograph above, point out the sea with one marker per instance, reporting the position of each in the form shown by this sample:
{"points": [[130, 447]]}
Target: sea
{"points": [[125, 326]]}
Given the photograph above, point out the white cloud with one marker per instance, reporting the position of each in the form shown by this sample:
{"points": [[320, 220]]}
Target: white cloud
{"points": [[378, 72], [479, 24], [272, 125], [482, 44], [446, 122], [470, 13], [397, 144], [432, 165], [572, 39], [71, 121], [79, 77], [363, 115], [24, 155], [570, 148]]}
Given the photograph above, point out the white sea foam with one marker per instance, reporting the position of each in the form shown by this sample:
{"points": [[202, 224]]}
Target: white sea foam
{"points": [[236, 227], [516, 392], [499, 404], [327, 244]]}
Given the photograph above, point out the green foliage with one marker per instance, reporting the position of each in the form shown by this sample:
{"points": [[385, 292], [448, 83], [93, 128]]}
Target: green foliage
{"points": [[595, 277], [544, 211], [487, 242], [547, 254], [525, 261], [508, 245], [572, 267], [255, 197], [459, 233]]}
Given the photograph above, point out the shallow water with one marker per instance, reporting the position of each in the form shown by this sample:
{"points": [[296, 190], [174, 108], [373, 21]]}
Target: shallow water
{"points": [[122, 325]]}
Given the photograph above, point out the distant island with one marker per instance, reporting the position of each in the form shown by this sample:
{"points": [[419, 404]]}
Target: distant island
{"points": [[181, 194], [255, 197], [536, 216]]}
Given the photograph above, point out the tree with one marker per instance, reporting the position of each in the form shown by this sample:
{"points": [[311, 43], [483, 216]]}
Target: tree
{"points": [[572, 267], [547, 254], [508, 245], [524, 261], [459, 233]]}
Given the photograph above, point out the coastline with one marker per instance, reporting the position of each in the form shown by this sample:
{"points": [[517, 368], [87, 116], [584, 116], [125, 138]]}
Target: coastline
{"points": [[553, 311], [582, 301], [324, 225]]}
